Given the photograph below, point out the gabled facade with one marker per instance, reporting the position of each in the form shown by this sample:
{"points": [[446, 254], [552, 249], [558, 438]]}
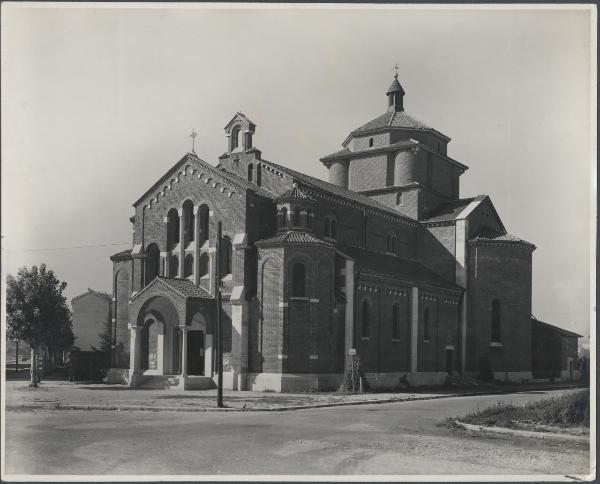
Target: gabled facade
{"points": [[385, 259], [92, 314]]}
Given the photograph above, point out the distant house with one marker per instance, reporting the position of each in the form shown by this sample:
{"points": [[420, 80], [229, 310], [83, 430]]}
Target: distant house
{"points": [[92, 311], [553, 352]]}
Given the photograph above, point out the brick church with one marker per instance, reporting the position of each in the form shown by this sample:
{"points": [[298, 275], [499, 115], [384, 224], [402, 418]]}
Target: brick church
{"points": [[385, 258]]}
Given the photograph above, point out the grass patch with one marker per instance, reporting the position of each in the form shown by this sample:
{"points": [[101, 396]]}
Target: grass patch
{"points": [[570, 410]]}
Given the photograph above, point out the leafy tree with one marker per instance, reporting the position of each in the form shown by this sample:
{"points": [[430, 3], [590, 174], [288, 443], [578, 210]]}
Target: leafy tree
{"points": [[106, 335], [37, 312]]}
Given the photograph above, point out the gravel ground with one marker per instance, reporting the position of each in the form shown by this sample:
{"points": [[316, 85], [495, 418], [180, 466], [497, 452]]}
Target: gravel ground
{"points": [[65, 393]]}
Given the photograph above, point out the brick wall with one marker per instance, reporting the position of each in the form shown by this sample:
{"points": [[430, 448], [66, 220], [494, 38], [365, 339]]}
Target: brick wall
{"points": [[503, 273], [308, 323], [394, 353], [362, 142], [150, 226], [427, 138], [90, 315], [379, 352], [443, 331], [368, 173], [122, 290], [338, 173], [546, 351], [483, 215], [437, 246], [266, 336], [378, 228]]}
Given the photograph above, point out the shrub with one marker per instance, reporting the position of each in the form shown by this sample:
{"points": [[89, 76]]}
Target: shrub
{"points": [[572, 409], [352, 375]]}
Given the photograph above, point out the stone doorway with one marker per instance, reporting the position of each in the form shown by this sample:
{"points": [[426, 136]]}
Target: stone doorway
{"points": [[199, 347], [195, 353]]}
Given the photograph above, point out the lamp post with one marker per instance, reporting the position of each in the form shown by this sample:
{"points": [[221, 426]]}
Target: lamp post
{"points": [[219, 329]]}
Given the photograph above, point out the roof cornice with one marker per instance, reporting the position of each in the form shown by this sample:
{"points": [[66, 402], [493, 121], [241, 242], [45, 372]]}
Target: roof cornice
{"points": [[503, 243], [399, 146], [393, 128], [223, 175]]}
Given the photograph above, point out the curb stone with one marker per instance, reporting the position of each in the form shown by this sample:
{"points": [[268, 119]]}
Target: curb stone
{"points": [[521, 433], [60, 406]]}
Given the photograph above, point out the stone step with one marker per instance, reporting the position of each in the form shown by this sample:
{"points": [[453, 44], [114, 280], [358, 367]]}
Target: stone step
{"points": [[157, 382], [165, 382]]}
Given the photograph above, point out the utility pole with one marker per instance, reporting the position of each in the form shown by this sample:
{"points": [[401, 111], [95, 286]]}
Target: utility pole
{"points": [[219, 329]]}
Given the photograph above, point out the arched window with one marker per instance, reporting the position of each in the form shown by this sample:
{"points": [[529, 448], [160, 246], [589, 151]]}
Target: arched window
{"points": [[226, 256], [333, 229], [284, 217], [250, 171], [394, 245], [299, 280], [204, 265], [188, 221], [365, 323], [308, 219], [188, 268], [173, 266], [388, 244], [172, 228], [330, 228], [426, 324], [258, 175], [235, 138], [399, 200], [496, 322], [295, 216], [203, 220], [152, 263], [396, 321], [370, 142]]}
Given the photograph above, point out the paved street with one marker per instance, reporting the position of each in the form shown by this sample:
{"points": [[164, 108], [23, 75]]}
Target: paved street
{"points": [[398, 438]]}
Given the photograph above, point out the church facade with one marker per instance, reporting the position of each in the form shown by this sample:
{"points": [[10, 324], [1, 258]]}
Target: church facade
{"points": [[384, 259]]}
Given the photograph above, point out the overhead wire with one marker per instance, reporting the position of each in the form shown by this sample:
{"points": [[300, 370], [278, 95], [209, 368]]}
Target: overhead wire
{"points": [[42, 249]]}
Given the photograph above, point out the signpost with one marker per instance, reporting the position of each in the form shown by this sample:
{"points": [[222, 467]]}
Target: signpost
{"points": [[219, 329]]}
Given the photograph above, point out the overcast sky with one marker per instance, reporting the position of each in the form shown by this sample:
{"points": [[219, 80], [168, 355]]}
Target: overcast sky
{"points": [[98, 103]]}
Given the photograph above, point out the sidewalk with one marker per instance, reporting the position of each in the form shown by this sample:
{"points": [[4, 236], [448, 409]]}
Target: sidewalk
{"points": [[80, 396]]}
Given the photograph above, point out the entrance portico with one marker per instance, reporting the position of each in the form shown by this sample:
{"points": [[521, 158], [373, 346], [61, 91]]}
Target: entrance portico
{"points": [[171, 334]]}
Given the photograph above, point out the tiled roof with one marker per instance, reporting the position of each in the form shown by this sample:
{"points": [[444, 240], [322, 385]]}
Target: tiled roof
{"points": [[185, 287], [101, 295], [123, 255], [393, 119], [246, 184], [395, 87], [447, 211], [487, 234], [295, 194], [397, 268], [293, 237], [562, 331], [337, 154], [336, 190]]}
